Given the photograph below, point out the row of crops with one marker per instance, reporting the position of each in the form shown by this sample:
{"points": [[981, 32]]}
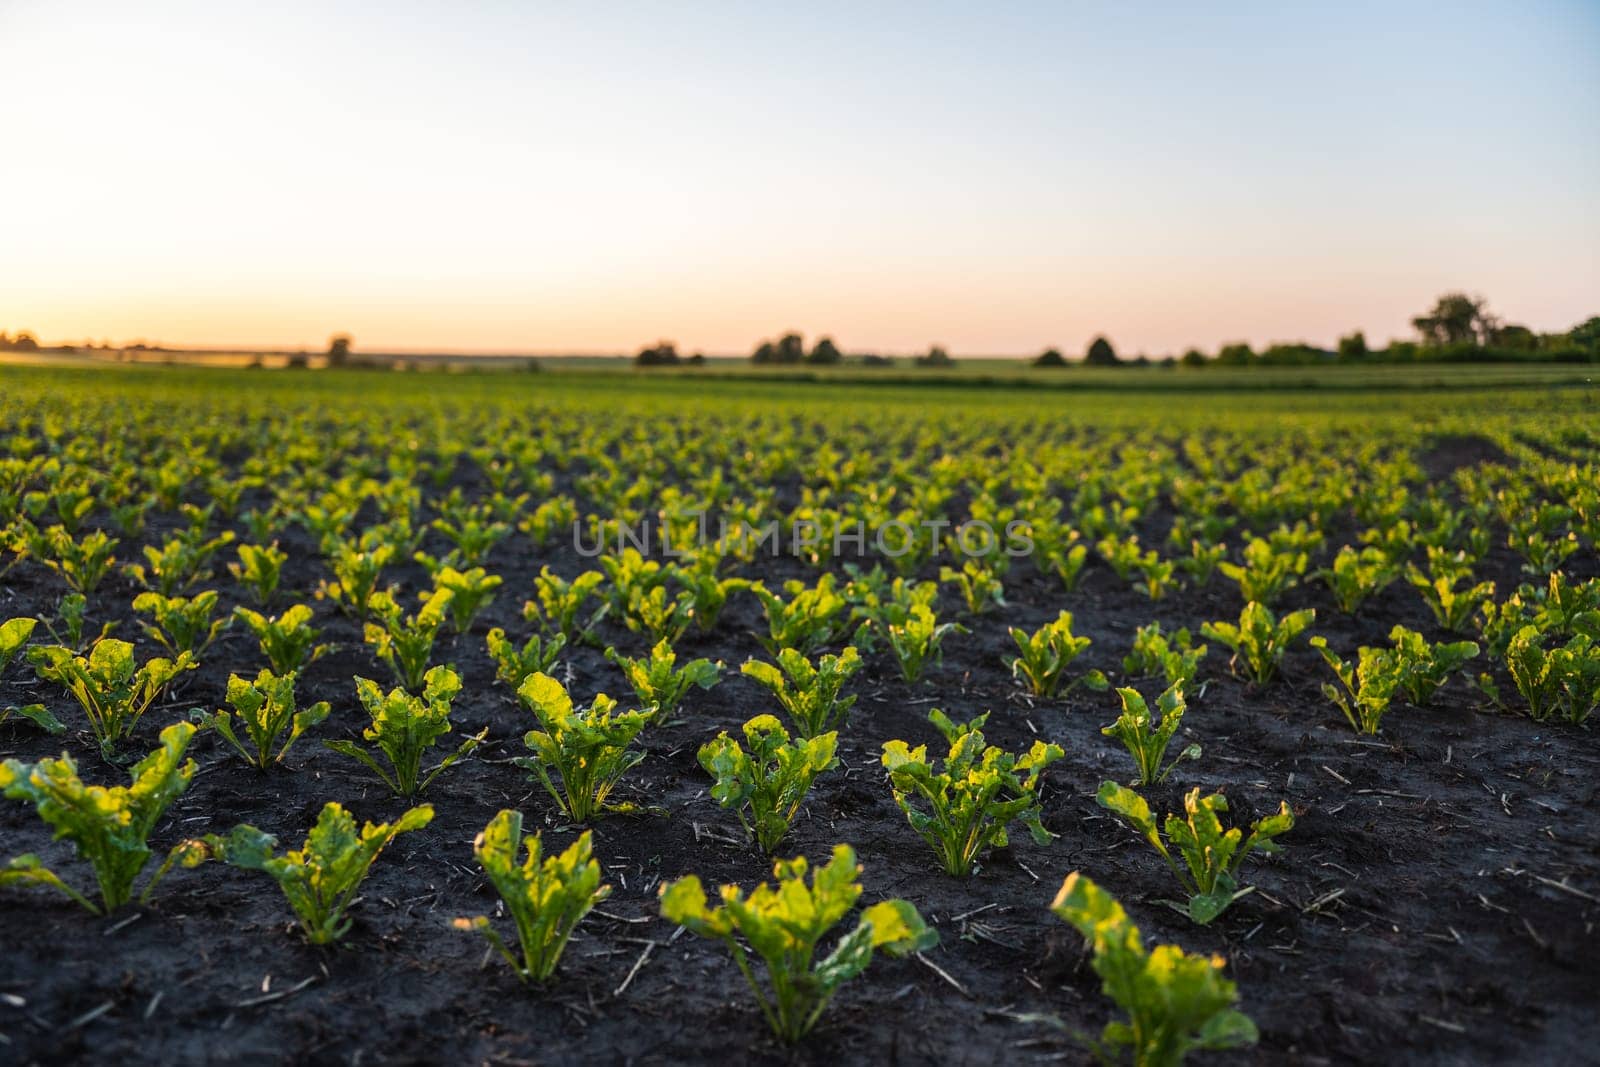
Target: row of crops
{"points": [[187, 564]]}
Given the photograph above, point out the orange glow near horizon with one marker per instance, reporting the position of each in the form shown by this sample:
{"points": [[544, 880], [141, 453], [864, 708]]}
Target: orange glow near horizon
{"points": [[565, 181]]}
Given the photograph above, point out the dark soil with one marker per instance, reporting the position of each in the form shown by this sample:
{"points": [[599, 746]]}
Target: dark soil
{"points": [[1435, 903]]}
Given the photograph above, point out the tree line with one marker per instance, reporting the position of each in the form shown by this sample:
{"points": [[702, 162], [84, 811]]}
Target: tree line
{"points": [[1458, 328]]}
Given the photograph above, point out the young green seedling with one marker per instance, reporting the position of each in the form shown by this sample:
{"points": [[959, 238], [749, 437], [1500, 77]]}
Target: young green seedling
{"points": [[1211, 855], [981, 587], [81, 563], [1047, 653], [808, 694], [963, 808], [266, 710], [1564, 680], [404, 643], [113, 693], [588, 749], [259, 570], [514, 665], [765, 781], [660, 683], [470, 592], [559, 603], [1260, 639], [108, 827], [14, 633], [405, 727], [1147, 742], [1366, 687], [1356, 576], [1172, 656], [810, 618], [783, 926], [546, 896], [320, 879], [1268, 571], [920, 640], [288, 641], [181, 624], [1175, 1003]]}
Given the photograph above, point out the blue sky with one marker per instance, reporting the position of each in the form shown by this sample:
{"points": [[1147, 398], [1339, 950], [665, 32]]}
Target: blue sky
{"points": [[522, 177]]}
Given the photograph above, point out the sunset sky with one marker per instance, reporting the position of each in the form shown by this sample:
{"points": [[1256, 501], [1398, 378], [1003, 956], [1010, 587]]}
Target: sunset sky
{"points": [[589, 177]]}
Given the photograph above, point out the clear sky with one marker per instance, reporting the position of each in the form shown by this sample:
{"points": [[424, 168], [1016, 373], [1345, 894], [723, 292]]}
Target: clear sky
{"points": [[590, 177]]}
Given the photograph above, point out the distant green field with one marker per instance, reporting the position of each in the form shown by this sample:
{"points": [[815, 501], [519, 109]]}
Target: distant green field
{"points": [[995, 372], [1462, 396]]}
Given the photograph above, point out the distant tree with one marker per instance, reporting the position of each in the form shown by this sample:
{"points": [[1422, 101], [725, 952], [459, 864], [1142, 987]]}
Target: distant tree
{"points": [[339, 349], [1456, 319], [660, 354], [697, 360], [1353, 346], [1100, 354], [22, 342], [872, 359], [1236, 354], [936, 357], [825, 352], [1515, 337], [791, 348], [1141, 360], [299, 361], [1050, 357], [1193, 358], [766, 352], [1289, 354], [1586, 335]]}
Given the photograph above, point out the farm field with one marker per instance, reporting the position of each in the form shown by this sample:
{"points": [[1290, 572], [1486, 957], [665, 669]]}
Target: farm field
{"points": [[1376, 607]]}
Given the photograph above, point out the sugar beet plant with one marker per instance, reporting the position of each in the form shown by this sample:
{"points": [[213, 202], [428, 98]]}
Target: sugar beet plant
{"points": [[320, 879], [560, 607], [1175, 1003], [405, 643], [810, 618], [963, 807], [471, 591], [587, 749], [259, 570], [546, 896], [265, 711], [1211, 855], [919, 640], [513, 665], [808, 693], [1564, 681], [108, 827], [404, 727], [181, 624], [765, 780], [1146, 740], [1413, 667], [660, 683], [784, 925], [1260, 639], [113, 692], [1045, 655], [1171, 656], [289, 641]]}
